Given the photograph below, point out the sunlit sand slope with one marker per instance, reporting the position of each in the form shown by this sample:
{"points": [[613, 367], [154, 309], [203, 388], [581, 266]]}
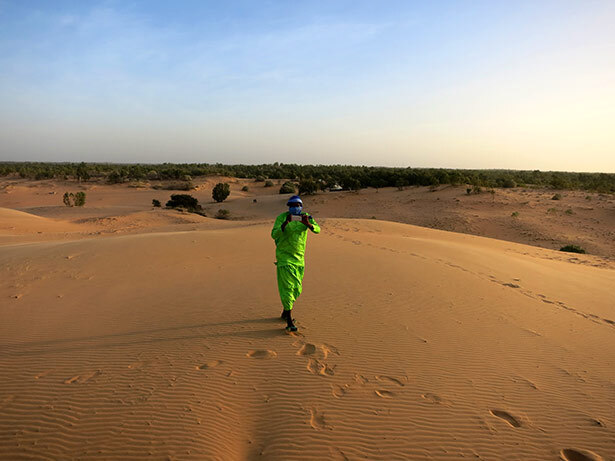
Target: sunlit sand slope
{"points": [[413, 344]]}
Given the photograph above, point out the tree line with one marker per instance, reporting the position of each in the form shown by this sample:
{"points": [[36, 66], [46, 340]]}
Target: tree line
{"points": [[316, 176]]}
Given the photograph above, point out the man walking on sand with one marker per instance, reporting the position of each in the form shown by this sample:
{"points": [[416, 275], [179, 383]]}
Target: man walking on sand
{"points": [[290, 235]]}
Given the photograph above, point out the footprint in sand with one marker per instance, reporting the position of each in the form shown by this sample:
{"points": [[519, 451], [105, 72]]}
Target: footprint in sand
{"points": [[340, 391], [316, 367], [510, 419], [436, 399], [573, 454], [262, 354], [317, 419], [321, 351], [307, 349], [210, 364], [390, 379], [82, 379], [384, 394]]}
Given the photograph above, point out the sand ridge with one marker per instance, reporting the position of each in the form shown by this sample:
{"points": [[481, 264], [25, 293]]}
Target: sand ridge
{"points": [[413, 344]]}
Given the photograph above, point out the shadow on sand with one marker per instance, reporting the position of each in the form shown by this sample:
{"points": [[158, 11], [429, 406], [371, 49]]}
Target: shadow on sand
{"points": [[131, 338]]}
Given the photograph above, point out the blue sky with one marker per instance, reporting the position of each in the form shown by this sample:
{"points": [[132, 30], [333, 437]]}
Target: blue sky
{"points": [[465, 84]]}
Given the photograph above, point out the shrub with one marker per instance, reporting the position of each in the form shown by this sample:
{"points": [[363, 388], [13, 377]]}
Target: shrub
{"points": [[245, 188], [351, 184], [184, 185], [115, 178], [572, 249], [71, 199], [552, 210], [184, 201], [221, 192], [259, 178], [156, 203], [307, 186], [569, 211], [153, 174], [508, 183], [557, 197], [269, 183], [79, 199], [515, 214], [287, 188], [223, 214]]}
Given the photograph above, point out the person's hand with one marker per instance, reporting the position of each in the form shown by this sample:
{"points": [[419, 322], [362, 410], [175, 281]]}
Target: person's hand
{"points": [[285, 223], [305, 219]]}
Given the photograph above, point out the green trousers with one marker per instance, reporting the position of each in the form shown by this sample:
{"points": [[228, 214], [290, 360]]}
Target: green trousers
{"points": [[290, 278]]}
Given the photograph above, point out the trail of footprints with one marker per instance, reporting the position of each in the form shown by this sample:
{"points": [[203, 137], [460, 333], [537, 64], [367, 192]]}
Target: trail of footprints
{"points": [[592, 317], [385, 387]]}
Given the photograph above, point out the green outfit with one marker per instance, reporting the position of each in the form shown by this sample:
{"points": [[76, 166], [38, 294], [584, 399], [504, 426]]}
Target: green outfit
{"points": [[289, 252]]}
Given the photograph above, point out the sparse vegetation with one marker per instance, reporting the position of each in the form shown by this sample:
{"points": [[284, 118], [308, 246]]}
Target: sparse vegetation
{"points": [[515, 214], [552, 210], [156, 203], [221, 191], [245, 189], [287, 188], [569, 211], [572, 249], [557, 197], [223, 214], [269, 183], [180, 185], [77, 199]]}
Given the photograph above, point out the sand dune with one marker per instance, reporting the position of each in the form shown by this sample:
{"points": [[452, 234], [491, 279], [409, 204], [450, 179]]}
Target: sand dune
{"points": [[14, 222], [413, 344]]}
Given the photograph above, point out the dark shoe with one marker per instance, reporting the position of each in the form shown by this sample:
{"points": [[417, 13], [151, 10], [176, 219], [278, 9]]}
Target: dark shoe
{"points": [[290, 324]]}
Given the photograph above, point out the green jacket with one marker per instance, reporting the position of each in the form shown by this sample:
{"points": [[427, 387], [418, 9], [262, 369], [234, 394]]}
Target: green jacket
{"points": [[290, 244]]}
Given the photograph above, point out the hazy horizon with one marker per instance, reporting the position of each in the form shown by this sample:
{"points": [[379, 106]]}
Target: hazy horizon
{"points": [[466, 85]]}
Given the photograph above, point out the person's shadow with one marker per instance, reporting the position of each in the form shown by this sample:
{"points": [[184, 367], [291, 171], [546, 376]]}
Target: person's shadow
{"points": [[130, 338]]}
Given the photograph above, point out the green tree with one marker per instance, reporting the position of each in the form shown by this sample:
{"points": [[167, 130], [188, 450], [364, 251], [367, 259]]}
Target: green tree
{"points": [[221, 192], [79, 199], [66, 199], [82, 172], [307, 186]]}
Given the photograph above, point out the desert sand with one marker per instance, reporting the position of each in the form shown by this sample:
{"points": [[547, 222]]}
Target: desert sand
{"points": [[128, 332]]}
